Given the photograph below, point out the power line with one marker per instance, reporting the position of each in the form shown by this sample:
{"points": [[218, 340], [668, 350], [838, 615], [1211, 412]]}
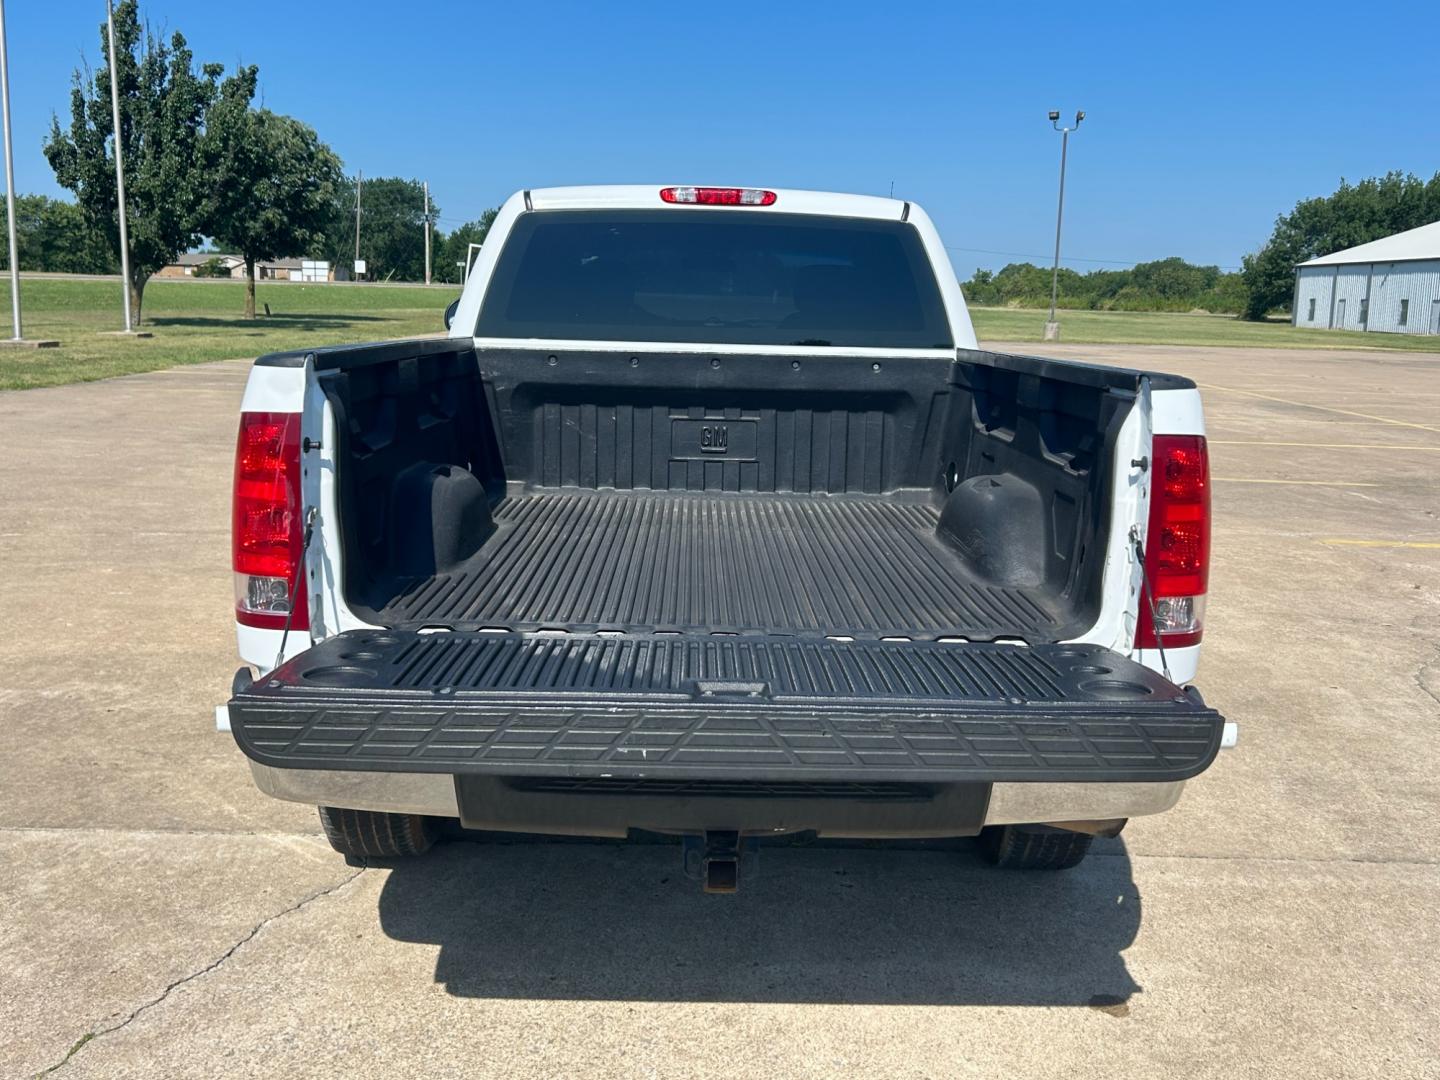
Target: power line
{"points": [[455, 220]]}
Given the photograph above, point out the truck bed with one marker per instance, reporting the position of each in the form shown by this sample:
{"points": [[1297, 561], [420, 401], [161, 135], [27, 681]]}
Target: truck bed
{"points": [[721, 563], [590, 492]]}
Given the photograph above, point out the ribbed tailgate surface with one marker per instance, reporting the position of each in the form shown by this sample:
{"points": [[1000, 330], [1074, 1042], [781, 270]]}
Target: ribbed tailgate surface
{"points": [[722, 707]]}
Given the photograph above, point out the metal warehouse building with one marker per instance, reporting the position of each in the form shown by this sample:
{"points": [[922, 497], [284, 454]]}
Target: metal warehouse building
{"points": [[1391, 286]]}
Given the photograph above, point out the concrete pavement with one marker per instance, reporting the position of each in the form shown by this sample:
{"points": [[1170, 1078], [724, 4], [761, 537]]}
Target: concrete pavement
{"points": [[163, 918]]}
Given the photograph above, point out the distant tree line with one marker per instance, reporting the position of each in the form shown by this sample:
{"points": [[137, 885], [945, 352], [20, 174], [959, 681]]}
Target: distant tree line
{"points": [[392, 236], [1165, 285], [1354, 214], [53, 235], [201, 160]]}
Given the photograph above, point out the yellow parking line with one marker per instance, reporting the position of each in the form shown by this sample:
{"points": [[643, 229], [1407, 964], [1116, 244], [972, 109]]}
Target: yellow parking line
{"points": [[1321, 445], [1322, 408], [1312, 483], [1428, 544]]}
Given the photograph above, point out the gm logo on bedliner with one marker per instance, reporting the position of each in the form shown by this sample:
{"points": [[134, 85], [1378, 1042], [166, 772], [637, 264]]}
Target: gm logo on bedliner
{"points": [[734, 440], [714, 439]]}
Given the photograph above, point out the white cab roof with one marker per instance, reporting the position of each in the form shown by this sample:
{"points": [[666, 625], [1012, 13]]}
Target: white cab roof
{"points": [[1421, 243], [647, 197]]}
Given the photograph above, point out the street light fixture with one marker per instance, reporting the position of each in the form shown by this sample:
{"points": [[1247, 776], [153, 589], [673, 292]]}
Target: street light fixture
{"points": [[1052, 328]]}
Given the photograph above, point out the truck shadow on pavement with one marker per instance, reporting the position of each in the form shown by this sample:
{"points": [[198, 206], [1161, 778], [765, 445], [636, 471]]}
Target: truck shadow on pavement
{"points": [[305, 323], [820, 923]]}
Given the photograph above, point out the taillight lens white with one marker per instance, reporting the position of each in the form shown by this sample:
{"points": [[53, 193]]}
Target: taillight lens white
{"points": [[267, 523], [1177, 543]]}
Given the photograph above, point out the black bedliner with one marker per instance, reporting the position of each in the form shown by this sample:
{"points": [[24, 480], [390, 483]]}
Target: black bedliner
{"points": [[906, 496], [722, 707], [585, 561]]}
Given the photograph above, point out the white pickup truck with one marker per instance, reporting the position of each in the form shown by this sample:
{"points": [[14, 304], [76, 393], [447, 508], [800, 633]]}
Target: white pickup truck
{"points": [[709, 517]]}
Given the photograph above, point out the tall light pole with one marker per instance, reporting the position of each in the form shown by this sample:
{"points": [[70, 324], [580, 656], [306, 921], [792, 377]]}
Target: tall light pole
{"points": [[10, 182], [119, 165], [355, 266], [427, 232], [1052, 328], [17, 339]]}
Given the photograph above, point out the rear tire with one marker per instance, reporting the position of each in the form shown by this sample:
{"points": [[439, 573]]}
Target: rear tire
{"points": [[1034, 847], [370, 834]]}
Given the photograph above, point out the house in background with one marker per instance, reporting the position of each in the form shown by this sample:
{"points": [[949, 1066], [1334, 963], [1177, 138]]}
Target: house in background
{"points": [[1390, 286], [186, 265], [233, 266]]}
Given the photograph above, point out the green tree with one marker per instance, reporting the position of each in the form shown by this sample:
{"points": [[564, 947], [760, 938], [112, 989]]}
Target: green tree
{"points": [[274, 182], [1354, 214], [392, 229], [163, 100], [981, 290], [212, 268], [53, 236], [1164, 285], [450, 255]]}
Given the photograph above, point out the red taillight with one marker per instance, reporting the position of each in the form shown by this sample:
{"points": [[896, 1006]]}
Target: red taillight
{"points": [[267, 527], [1177, 543], [718, 196]]}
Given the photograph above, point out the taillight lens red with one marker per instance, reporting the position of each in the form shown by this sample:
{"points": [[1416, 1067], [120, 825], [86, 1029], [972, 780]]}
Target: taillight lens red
{"points": [[718, 196], [267, 526], [1177, 543]]}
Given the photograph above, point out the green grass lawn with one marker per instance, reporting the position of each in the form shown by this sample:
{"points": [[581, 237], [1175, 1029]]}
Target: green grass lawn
{"points": [[1166, 328], [198, 321]]}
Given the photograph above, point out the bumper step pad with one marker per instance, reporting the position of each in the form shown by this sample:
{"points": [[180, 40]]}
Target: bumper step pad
{"points": [[723, 707]]}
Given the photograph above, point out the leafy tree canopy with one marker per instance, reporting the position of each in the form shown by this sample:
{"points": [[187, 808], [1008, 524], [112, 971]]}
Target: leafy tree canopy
{"points": [[54, 236], [273, 182], [1354, 214], [392, 236], [163, 101], [1165, 285], [452, 250]]}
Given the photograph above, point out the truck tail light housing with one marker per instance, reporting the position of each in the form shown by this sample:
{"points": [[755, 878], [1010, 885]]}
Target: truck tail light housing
{"points": [[267, 524], [1177, 543], [718, 196]]}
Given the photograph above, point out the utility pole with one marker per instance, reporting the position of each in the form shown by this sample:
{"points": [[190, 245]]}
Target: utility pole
{"points": [[17, 339], [119, 165], [359, 181], [10, 182], [427, 231], [1052, 328]]}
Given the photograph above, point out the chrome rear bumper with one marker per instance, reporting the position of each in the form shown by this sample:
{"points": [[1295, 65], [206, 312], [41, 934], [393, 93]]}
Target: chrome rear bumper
{"points": [[502, 809]]}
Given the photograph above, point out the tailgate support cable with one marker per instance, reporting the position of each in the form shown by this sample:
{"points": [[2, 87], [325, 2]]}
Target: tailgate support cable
{"points": [[310, 516], [1150, 601]]}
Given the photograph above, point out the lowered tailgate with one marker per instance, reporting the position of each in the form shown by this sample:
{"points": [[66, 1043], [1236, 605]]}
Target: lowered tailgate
{"points": [[725, 707]]}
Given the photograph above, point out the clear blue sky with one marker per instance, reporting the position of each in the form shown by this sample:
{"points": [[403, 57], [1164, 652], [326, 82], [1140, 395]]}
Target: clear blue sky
{"points": [[1204, 121]]}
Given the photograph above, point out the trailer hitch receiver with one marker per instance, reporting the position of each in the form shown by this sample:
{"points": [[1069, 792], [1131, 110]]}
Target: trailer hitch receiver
{"points": [[715, 859]]}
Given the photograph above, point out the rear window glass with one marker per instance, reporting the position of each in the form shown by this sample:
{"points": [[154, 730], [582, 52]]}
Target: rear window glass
{"points": [[713, 276]]}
